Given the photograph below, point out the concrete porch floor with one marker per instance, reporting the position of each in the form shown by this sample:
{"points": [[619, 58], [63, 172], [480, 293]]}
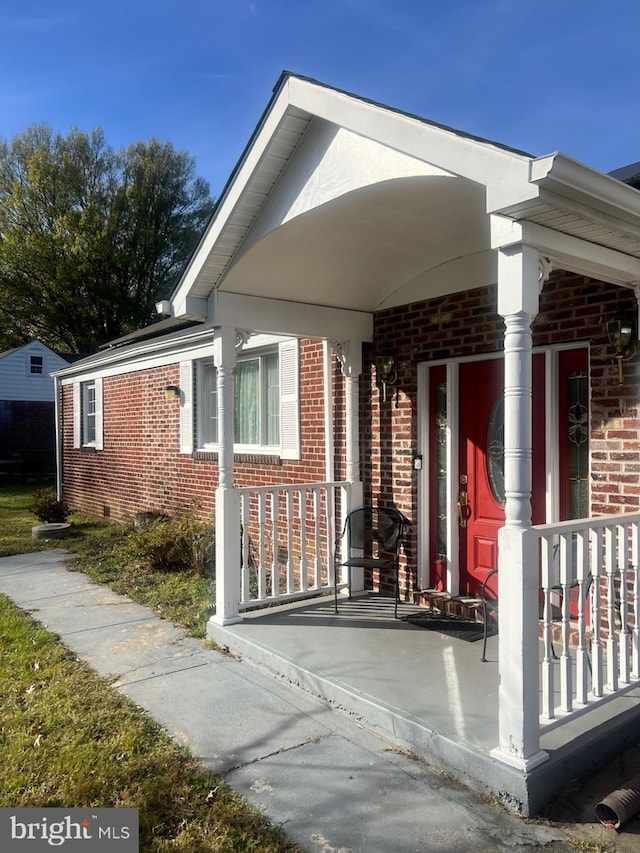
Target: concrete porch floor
{"points": [[422, 690]]}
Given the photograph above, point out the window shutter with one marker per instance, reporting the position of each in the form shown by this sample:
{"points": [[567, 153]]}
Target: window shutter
{"points": [[99, 445], [186, 407], [290, 399], [77, 415]]}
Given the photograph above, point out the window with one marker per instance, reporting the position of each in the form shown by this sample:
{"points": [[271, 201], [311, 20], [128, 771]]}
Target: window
{"points": [[35, 364], [256, 409], [87, 414], [266, 402]]}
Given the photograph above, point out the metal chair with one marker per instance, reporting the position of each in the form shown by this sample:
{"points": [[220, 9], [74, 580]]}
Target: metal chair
{"points": [[489, 597], [373, 536]]}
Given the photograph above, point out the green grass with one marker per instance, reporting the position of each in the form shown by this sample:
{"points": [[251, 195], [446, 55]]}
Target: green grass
{"points": [[15, 519], [68, 739], [99, 550]]}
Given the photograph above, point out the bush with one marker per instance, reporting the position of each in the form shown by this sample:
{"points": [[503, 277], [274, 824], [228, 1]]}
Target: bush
{"points": [[182, 543], [47, 508]]}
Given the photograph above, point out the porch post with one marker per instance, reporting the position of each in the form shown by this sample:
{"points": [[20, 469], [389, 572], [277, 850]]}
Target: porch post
{"points": [[519, 284], [227, 544], [349, 354]]}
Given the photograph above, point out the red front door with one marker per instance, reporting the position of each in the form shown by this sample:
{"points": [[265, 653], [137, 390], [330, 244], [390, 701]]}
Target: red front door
{"points": [[481, 465]]}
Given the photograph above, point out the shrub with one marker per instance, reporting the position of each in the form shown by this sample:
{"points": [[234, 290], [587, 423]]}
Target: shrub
{"points": [[47, 508], [181, 543]]}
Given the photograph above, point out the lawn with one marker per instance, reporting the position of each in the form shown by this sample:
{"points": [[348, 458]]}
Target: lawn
{"points": [[101, 550], [67, 738]]}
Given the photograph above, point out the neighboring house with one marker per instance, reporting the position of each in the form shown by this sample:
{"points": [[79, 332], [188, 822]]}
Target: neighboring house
{"points": [[27, 420], [386, 310]]}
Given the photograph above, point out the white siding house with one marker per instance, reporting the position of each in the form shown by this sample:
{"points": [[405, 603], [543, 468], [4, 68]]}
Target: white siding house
{"points": [[27, 393]]}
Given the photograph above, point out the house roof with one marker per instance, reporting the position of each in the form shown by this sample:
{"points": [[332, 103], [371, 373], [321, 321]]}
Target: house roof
{"points": [[156, 330], [66, 356], [388, 238]]}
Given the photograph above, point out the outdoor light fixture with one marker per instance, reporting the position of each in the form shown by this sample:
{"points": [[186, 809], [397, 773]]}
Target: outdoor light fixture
{"points": [[620, 331], [172, 392], [387, 374]]}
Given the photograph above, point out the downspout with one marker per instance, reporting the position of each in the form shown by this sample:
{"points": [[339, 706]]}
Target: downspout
{"points": [[329, 449], [58, 410]]}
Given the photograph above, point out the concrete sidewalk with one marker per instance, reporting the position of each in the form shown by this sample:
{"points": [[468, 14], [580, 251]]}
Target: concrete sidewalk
{"points": [[333, 786]]}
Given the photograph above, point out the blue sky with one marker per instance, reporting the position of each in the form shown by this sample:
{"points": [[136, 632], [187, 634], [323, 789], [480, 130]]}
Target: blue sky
{"points": [[539, 75]]}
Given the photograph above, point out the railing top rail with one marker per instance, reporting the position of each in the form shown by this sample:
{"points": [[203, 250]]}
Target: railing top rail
{"points": [[285, 487], [576, 524]]}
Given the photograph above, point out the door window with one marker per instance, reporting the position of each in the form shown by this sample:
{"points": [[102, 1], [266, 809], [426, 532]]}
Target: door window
{"points": [[495, 451]]}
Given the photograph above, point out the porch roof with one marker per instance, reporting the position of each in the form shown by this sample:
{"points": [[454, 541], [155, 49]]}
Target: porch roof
{"points": [[419, 230]]}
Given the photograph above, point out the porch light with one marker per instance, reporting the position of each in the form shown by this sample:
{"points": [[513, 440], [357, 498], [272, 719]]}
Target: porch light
{"points": [[387, 374], [619, 331], [171, 392]]}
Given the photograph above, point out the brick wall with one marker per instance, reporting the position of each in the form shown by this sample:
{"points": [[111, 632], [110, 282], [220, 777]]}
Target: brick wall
{"points": [[141, 468]]}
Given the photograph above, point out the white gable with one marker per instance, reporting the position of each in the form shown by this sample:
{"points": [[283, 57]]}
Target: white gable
{"points": [[25, 372], [329, 163]]}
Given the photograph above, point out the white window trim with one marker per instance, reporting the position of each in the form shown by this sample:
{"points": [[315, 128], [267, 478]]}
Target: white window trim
{"points": [[79, 389], [289, 427]]}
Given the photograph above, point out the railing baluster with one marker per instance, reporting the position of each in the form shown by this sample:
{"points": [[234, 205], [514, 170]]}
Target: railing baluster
{"points": [[612, 640], [245, 588], [330, 514], [290, 518], [582, 656], [275, 551], [597, 651], [302, 506], [635, 567], [262, 544], [566, 698], [548, 698], [623, 608], [317, 562]]}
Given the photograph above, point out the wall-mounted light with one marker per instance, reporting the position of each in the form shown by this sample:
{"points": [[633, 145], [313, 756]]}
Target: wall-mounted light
{"points": [[620, 332], [171, 392], [387, 374]]}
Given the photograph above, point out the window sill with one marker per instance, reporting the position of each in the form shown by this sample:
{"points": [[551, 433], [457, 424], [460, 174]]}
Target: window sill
{"points": [[241, 457]]}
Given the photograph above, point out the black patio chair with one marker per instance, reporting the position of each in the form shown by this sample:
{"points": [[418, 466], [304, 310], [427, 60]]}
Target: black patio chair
{"points": [[374, 535], [489, 596]]}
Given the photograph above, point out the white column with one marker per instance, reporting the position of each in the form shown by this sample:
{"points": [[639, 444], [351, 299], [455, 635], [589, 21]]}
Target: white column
{"points": [[519, 283], [227, 545], [349, 354]]}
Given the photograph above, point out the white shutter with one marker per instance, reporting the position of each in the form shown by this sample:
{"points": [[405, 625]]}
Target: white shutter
{"points": [[186, 407], [77, 415], [99, 444], [290, 399]]}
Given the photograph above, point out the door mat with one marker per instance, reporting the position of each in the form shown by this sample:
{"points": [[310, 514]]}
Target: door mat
{"points": [[452, 626]]}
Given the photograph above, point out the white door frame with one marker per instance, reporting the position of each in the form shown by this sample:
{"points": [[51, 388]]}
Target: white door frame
{"points": [[423, 450]]}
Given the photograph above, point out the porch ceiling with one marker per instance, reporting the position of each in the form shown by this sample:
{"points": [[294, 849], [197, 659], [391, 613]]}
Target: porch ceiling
{"points": [[361, 250]]}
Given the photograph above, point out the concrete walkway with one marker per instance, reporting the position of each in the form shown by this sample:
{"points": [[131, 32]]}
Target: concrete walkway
{"points": [[333, 786]]}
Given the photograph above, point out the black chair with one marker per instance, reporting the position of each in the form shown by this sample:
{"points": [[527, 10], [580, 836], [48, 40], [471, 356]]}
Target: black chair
{"points": [[489, 595], [373, 535]]}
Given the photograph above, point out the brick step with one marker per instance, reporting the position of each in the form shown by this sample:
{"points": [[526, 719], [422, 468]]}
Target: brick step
{"points": [[455, 605], [471, 608]]}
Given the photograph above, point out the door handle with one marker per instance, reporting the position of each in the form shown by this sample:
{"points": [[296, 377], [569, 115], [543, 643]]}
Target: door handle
{"points": [[463, 508]]}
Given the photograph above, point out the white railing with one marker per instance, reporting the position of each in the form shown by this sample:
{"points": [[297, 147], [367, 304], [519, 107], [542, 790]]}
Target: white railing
{"points": [[590, 609], [288, 537]]}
